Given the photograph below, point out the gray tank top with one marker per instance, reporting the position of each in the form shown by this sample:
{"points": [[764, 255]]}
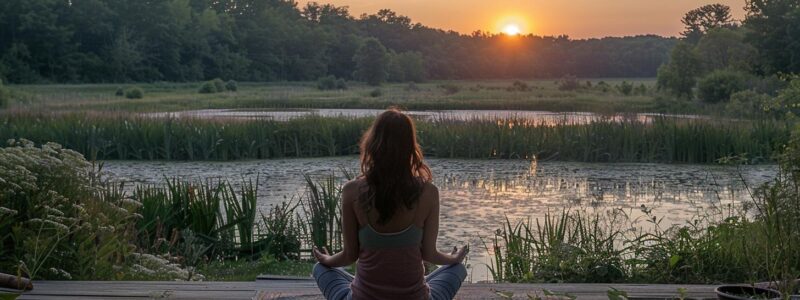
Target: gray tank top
{"points": [[368, 238]]}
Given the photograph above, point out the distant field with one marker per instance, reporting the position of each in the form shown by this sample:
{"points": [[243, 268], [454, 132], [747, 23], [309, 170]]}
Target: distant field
{"points": [[495, 94]]}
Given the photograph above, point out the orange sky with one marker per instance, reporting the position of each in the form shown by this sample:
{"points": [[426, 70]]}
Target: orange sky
{"points": [[576, 18]]}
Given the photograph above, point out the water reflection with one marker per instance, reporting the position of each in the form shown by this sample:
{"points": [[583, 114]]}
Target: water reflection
{"points": [[509, 118], [477, 195]]}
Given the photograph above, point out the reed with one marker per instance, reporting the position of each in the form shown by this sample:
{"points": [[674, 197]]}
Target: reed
{"points": [[281, 231], [322, 208], [219, 215], [756, 244], [139, 138]]}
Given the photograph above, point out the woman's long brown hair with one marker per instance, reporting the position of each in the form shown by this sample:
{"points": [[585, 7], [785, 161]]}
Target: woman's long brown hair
{"points": [[391, 163]]}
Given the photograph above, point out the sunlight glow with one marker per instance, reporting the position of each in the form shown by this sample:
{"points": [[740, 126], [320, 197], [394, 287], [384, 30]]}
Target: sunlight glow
{"points": [[512, 29]]}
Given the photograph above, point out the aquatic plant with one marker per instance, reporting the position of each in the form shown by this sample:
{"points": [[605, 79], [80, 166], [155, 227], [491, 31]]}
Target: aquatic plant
{"points": [[754, 243], [219, 215], [280, 232], [322, 207], [667, 140]]}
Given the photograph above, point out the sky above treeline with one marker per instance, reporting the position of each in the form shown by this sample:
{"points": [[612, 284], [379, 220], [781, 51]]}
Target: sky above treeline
{"points": [[576, 18]]}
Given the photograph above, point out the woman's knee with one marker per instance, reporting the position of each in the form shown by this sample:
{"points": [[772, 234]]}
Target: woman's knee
{"points": [[460, 270], [318, 270]]}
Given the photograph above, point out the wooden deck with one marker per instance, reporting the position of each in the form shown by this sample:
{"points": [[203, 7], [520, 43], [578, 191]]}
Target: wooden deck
{"points": [[306, 289]]}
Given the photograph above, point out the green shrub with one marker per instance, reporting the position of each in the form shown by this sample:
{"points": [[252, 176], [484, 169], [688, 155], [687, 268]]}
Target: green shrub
{"points": [[134, 93], [326, 83], [518, 86], [412, 87], [120, 92], [56, 219], [231, 86], [718, 85], [787, 103], [625, 88], [450, 89], [746, 104], [376, 93], [568, 83], [207, 88], [330, 82], [640, 90], [219, 85], [603, 86], [341, 84]]}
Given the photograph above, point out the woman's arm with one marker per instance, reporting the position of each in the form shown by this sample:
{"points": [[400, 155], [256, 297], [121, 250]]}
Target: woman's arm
{"points": [[349, 254], [430, 194]]}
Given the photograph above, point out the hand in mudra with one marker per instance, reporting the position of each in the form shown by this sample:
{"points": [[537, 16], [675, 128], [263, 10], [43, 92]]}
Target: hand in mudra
{"points": [[460, 254], [321, 254]]}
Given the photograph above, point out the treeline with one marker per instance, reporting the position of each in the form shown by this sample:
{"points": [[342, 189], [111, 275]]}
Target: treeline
{"points": [[265, 40], [752, 66]]}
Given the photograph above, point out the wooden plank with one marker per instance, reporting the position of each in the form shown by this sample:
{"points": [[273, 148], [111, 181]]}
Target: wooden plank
{"points": [[306, 289]]}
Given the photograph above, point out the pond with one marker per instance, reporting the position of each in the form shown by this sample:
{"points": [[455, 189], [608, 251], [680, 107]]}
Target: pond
{"points": [[545, 118], [477, 195]]}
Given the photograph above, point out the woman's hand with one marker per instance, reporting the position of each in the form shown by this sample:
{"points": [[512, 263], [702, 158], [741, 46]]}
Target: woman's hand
{"points": [[459, 254], [322, 255]]}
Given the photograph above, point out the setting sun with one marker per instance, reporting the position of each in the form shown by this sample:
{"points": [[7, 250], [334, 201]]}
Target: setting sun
{"points": [[511, 29]]}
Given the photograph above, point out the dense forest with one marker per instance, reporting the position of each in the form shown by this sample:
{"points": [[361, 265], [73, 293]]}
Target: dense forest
{"points": [[76, 41], [752, 64]]}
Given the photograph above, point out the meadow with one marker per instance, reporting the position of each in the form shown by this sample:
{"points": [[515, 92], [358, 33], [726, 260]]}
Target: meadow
{"points": [[603, 96]]}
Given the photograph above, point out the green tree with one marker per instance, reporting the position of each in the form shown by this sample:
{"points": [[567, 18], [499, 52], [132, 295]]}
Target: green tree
{"points": [[774, 29], [372, 62], [705, 18], [406, 67], [680, 74], [723, 48]]}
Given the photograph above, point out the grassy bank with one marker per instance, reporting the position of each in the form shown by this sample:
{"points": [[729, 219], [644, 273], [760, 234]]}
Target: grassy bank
{"points": [[119, 136], [500, 94]]}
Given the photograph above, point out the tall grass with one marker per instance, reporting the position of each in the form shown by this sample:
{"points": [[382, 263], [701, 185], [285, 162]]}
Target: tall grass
{"points": [[139, 138], [757, 243], [322, 208], [222, 218]]}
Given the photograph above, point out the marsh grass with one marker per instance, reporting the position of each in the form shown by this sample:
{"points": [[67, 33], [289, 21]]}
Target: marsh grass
{"points": [[668, 140], [281, 233], [322, 211], [755, 243], [220, 216]]}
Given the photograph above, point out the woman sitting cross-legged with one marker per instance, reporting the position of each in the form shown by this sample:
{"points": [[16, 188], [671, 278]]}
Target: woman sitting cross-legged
{"points": [[390, 223]]}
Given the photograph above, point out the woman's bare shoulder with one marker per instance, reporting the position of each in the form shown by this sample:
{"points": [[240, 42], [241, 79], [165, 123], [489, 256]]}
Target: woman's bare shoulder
{"points": [[353, 188], [430, 194]]}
